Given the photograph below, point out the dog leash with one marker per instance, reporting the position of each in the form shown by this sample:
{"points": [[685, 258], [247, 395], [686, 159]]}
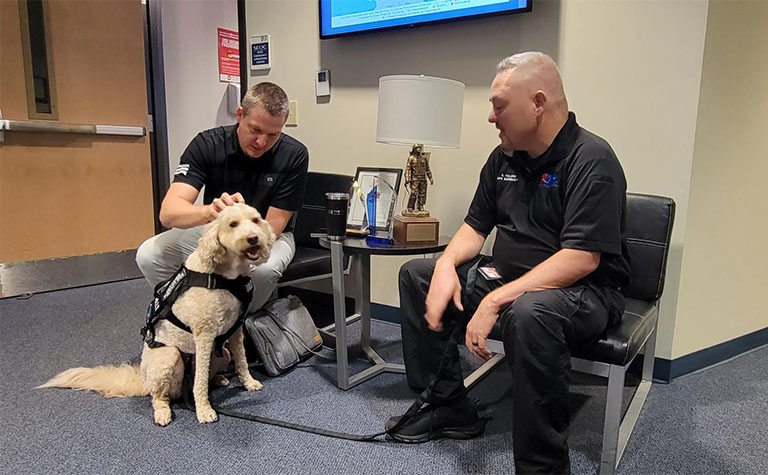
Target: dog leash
{"points": [[423, 398]]}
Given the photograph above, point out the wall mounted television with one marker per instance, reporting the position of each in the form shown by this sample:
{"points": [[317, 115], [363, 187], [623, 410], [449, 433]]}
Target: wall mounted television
{"points": [[348, 17]]}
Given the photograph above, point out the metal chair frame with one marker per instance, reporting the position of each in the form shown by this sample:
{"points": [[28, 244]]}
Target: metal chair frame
{"points": [[616, 429]]}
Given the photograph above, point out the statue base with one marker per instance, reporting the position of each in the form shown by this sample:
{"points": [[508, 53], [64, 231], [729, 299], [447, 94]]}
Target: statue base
{"points": [[415, 213], [415, 229]]}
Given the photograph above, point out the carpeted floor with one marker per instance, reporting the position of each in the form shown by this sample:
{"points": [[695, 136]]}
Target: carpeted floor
{"points": [[710, 422]]}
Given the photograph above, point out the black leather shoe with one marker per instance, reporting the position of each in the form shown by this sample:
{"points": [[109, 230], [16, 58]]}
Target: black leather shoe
{"points": [[458, 420]]}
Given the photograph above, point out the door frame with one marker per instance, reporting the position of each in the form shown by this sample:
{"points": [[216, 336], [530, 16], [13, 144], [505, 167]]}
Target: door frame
{"points": [[158, 125]]}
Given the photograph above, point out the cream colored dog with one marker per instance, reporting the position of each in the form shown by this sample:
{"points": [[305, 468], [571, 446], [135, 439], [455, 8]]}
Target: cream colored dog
{"points": [[236, 240]]}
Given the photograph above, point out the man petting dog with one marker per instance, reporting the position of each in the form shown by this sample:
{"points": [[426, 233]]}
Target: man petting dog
{"points": [[251, 162]]}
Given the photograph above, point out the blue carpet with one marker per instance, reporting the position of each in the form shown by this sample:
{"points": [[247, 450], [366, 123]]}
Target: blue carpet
{"points": [[709, 422]]}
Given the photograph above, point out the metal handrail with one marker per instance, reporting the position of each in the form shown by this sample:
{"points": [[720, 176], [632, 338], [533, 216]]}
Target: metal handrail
{"points": [[58, 127]]}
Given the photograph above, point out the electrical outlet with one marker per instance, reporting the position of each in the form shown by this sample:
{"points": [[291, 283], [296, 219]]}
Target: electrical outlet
{"points": [[293, 114]]}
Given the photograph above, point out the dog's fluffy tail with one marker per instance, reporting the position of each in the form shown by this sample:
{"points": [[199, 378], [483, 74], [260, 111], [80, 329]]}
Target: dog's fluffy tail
{"points": [[111, 381]]}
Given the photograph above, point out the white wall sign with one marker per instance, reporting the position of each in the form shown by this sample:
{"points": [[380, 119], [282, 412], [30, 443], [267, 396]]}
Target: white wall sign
{"points": [[260, 52]]}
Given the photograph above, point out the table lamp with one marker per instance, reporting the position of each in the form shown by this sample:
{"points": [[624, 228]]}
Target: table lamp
{"points": [[419, 111]]}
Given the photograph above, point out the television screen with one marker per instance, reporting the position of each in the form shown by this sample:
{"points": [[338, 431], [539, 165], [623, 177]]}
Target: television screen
{"points": [[344, 17]]}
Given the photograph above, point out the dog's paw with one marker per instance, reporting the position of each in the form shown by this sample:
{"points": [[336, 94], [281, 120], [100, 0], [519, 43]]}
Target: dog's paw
{"points": [[163, 416], [206, 414], [220, 380], [252, 385]]}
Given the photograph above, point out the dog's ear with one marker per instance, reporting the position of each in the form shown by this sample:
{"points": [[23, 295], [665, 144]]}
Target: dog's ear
{"points": [[267, 248], [272, 236], [211, 250]]}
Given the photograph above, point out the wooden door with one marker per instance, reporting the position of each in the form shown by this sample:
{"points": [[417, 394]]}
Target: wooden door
{"points": [[64, 194]]}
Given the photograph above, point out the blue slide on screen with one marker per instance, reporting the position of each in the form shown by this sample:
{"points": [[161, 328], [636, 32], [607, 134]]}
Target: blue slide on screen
{"points": [[339, 17]]}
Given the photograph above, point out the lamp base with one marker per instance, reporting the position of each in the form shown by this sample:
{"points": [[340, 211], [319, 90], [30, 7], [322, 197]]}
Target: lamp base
{"points": [[416, 229]]}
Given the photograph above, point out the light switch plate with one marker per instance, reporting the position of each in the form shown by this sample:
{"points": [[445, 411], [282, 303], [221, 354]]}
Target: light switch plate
{"points": [[293, 114]]}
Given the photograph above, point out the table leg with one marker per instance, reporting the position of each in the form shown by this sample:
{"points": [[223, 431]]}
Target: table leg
{"points": [[362, 273], [339, 313], [363, 300], [363, 308]]}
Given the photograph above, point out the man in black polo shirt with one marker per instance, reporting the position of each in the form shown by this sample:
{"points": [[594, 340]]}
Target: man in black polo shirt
{"points": [[250, 162], [556, 195]]}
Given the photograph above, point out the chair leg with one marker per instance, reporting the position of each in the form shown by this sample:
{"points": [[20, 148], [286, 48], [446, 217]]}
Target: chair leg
{"points": [[609, 456], [649, 352], [617, 430], [483, 370], [638, 399]]}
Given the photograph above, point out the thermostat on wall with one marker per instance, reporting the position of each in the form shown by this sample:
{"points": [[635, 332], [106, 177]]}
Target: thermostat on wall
{"points": [[323, 83], [260, 52]]}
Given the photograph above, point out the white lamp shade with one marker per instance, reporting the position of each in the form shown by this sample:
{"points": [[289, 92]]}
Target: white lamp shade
{"points": [[420, 110]]}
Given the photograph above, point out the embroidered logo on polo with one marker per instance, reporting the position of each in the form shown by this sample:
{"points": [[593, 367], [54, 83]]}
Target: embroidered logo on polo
{"points": [[181, 169], [507, 177], [549, 180]]}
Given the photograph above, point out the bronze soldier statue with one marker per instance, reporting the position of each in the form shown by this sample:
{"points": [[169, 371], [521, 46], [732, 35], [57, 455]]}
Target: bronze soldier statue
{"points": [[416, 173]]}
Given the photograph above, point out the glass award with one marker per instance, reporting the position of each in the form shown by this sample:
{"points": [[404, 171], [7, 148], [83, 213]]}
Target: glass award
{"points": [[372, 200], [379, 206]]}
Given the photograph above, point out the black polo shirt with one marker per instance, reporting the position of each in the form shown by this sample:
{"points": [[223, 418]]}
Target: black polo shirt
{"points": [[573, 196], [215, 160]]}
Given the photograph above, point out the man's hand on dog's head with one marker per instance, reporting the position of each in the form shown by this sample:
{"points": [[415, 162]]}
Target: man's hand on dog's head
{"points": [[218, 204]]}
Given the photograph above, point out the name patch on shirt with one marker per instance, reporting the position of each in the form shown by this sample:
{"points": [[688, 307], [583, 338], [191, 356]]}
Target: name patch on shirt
{"points": [[507, 177]]}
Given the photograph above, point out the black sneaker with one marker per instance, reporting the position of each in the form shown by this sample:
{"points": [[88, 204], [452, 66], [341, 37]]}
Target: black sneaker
{"points": [[459, 420]]}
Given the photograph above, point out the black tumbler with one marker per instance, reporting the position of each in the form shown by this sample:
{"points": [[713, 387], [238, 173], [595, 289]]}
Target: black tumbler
{"points": [[336, 215]]}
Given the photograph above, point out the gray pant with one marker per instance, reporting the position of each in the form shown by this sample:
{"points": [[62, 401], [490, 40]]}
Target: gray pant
{"points": [[160, 256]]}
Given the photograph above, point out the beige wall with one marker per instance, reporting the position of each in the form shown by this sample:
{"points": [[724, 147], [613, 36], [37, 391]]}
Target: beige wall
{"points": [[725, 253], [632, 72], [195, 99]]}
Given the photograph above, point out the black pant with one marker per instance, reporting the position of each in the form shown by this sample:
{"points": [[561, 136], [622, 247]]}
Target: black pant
{"points": [[539, 329]]}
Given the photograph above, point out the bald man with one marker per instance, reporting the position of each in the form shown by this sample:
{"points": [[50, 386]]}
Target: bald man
{"points": [[555, 193]]}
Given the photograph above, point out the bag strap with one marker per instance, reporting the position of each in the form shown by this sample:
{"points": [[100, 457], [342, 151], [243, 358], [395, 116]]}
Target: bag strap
{"points": [[295, 335]]}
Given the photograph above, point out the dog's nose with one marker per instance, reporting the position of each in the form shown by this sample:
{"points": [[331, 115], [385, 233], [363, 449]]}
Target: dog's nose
{"points": [[253, 240]]}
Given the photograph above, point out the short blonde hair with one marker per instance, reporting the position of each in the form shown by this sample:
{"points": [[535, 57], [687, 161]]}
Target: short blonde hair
{"points": [[269, 96]]}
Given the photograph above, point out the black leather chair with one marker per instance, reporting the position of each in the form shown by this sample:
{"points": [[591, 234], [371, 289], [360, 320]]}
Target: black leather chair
{"points": [[649, 222], [312, 261]]}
